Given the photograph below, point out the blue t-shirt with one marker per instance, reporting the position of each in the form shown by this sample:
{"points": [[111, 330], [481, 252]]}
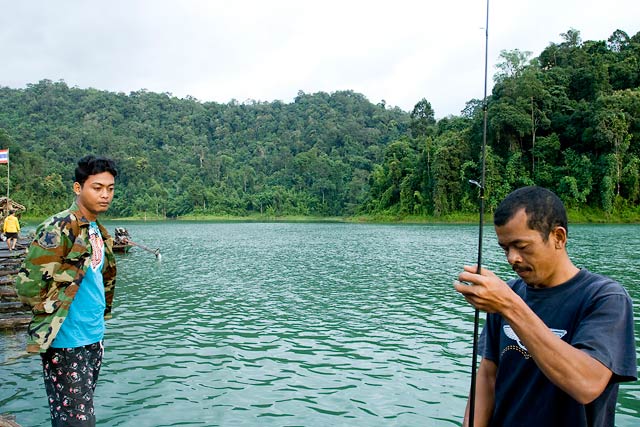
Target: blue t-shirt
{"points": [[592, 313], [84, 324]]}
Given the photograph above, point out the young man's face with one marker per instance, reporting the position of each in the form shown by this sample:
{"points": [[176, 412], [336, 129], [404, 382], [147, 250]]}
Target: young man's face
{"points": [[537, 262], [95, 195]]}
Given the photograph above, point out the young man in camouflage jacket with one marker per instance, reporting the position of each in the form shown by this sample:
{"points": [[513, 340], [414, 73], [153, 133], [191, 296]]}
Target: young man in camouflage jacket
{"points": [[68, 279]]}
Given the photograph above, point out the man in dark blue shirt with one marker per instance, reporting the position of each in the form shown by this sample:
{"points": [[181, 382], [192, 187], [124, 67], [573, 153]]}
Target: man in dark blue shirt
{"points": [[558, 340]]}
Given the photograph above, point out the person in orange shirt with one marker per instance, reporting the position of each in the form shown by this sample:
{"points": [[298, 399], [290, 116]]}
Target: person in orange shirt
{"points": [[11, 229]]}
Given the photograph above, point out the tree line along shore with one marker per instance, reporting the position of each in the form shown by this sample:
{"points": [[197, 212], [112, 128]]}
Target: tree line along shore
{"points": [[567, 119]]}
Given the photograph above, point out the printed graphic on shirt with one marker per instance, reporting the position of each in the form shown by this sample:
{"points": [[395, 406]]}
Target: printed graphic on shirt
{"points": [[97, 244], [509, 332]]}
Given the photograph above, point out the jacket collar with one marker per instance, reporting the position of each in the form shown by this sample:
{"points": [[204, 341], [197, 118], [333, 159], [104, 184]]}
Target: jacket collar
{"points": [[84, 222], [75, 210]]}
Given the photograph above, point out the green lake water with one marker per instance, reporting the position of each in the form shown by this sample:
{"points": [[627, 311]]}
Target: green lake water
{"points": [[298, 324]]}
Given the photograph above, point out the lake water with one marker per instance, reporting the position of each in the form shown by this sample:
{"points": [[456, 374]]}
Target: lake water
{"points": [[297, 324]]}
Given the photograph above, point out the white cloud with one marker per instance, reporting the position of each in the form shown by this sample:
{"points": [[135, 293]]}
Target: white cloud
{"points": [[265, 50]]}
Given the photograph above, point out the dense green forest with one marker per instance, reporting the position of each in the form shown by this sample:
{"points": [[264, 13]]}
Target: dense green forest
{"points": [[568, 119]]}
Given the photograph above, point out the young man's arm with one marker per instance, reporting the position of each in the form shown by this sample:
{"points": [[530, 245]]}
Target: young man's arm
{"points": [[485, 395], [572, 370], [40, 266]]}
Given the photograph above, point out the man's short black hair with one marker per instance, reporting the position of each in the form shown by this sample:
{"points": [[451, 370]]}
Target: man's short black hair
{"points": [[92, 165], [544, 209]]}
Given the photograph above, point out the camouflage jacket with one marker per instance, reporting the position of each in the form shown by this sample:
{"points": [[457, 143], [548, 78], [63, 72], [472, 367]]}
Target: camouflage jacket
{"points": [[53, 269]]}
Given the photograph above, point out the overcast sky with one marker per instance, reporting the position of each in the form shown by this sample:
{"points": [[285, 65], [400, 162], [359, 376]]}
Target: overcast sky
{"points": [[398, 51]]}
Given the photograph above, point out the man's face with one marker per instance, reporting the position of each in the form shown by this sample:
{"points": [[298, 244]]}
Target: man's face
{"points": [[96, 194], [535, 260]]}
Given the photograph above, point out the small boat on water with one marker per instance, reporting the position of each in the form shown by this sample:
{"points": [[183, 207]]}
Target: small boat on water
{"points": [[121, 241], [122, 248]]}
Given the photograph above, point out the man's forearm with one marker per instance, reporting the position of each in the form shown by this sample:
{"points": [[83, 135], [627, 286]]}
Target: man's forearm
{"points": [[572, 370]]}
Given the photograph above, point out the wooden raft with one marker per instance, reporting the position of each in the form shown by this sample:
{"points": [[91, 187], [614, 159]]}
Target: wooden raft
{"points": [[13, 314]]}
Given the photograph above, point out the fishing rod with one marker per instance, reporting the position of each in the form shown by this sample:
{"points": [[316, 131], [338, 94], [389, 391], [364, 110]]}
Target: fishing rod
{"points": [[156, 252], [481, 186]]}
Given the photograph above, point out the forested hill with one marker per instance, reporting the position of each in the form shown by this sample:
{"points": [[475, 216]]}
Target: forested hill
{"points": [[568, 119], [180, 156]]}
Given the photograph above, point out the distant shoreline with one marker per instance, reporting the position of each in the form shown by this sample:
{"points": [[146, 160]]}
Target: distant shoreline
{"points": [[583, 216]]}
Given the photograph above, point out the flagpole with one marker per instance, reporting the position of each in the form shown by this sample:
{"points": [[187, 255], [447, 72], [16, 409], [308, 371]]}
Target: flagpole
{"points": [[8, 180], [4, 159]]}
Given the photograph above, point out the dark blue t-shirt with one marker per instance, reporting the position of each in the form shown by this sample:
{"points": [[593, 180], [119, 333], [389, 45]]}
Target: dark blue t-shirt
{"points": [[592, 313]]}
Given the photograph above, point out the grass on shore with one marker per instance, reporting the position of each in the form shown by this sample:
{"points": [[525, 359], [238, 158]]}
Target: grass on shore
{"points": [[576, 216], [585, 215]]}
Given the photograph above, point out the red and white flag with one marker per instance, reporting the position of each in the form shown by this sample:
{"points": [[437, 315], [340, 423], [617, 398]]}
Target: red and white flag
{"points": [[4, 156]]}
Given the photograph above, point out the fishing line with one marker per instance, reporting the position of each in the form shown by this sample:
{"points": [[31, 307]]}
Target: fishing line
{"points": [[481, 186]]}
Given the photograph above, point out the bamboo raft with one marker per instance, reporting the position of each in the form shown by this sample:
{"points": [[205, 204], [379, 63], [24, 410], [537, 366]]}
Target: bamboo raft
{"points": [[13, 314]]}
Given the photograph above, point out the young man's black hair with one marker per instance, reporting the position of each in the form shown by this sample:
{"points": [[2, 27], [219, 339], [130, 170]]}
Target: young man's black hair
{"points": [[92, 165]]}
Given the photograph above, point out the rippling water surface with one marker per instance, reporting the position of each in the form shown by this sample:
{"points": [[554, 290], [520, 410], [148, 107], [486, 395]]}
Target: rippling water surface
{"points": [[297, 324]]}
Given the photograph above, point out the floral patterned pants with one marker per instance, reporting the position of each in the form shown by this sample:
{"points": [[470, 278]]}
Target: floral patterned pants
{"points": [[70, 377]]}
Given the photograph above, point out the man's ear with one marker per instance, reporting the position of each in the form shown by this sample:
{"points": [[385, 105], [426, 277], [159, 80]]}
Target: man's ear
{"points": [[559, 236], [76, 188]]}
